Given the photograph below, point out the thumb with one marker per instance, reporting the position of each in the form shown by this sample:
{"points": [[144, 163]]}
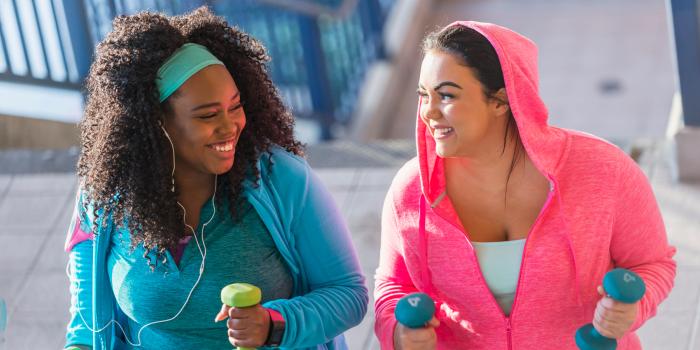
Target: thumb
{"points": [[601, 291], [223, 313], [434, 322]]}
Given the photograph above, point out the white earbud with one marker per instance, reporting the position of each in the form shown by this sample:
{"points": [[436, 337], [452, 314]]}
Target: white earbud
{"points": [[172, 146]]}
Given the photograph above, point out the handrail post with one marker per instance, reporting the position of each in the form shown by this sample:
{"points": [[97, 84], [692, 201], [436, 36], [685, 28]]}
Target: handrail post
{"points": [[685, 25], [686, 32], [317, 75], [79, 31]]}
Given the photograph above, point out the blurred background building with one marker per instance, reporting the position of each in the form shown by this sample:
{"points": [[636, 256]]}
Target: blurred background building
{"points": [[624, 70]]}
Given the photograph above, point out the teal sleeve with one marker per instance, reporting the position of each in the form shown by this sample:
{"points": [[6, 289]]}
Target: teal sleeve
{"points": [[80, 271], [337, 298]]}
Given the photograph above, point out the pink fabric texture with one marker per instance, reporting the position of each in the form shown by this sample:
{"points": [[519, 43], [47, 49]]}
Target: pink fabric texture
{"points": [[601, 213], [76, 234]]}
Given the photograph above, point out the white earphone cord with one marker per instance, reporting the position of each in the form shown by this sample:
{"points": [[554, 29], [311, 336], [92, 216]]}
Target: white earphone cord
{"points": [[203, 253]]}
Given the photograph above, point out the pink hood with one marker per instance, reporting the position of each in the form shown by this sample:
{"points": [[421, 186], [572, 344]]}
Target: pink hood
{"points": [[518, 57], [600, 214]]}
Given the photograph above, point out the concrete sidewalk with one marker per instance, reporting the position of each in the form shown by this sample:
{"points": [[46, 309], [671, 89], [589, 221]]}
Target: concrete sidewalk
{"points": [[35, 211]]}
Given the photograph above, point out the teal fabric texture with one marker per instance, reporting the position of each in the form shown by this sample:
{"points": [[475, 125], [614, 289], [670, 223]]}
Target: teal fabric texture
{"points": [[328, 292], [180, 66], [241, 251]]}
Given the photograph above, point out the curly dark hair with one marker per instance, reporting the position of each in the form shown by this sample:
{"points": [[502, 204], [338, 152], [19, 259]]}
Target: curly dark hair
{"points": [[125, 160]]}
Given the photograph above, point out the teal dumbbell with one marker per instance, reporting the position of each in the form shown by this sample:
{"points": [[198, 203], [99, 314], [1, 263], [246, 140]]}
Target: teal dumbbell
{"points": [[621, 285], [241, 295], [3, 322], [414, 310]]}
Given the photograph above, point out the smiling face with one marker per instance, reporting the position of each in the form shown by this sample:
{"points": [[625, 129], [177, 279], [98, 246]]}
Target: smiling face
{"points": [[205, 122], [455, 110]]}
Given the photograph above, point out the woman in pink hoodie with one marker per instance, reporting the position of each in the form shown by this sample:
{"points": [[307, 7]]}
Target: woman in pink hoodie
{"points": [[510, 224]]}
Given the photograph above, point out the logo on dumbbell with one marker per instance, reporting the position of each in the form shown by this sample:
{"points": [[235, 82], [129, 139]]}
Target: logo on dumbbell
{"points": [[628, 278], [414, 301]]}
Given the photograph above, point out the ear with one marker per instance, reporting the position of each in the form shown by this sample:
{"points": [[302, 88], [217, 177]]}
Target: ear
{"points": [[500, 102]]}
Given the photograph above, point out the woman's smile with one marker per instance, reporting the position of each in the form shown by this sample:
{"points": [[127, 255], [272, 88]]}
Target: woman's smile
{"points": [[225, 149], [442, 132]]}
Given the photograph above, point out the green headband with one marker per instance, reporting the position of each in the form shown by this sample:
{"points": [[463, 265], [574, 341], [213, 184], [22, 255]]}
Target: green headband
{"points": [[184, 63]]}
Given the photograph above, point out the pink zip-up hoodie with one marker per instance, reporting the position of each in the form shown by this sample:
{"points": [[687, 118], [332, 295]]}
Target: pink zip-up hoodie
{"points": [[600, 213]]}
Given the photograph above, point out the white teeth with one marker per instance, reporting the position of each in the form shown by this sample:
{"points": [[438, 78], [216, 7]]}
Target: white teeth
{"points": [[443, 131], [227, 147]]}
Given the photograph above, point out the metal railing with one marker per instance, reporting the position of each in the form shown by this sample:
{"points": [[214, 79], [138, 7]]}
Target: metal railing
{"points": [[685, 25], [39, 46], [320, 49]]}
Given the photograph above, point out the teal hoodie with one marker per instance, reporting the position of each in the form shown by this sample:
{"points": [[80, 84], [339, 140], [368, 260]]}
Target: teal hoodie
{"points": [[329, 294]]}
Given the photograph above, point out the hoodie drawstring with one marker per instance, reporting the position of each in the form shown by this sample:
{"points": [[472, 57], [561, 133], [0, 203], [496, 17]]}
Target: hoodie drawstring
{"points": [[423, 247], [569, 243]]}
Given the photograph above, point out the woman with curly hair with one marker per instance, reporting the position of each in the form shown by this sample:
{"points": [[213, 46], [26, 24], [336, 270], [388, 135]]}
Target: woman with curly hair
{"points": [[191, 179]]}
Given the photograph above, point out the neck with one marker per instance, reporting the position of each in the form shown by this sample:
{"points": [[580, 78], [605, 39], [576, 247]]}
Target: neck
{"points": [[194, 186], [492, 165]]}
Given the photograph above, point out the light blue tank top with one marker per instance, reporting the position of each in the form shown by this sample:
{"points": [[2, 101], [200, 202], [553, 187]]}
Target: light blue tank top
{"points": [[500, 265]]}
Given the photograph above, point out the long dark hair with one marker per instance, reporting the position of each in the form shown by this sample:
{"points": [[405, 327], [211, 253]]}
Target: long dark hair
{"points": [[125, 160], [473, 50]]}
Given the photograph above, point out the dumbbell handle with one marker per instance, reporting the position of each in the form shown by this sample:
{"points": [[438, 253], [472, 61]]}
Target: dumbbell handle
{"points": [[241, 295], [621, 285]]}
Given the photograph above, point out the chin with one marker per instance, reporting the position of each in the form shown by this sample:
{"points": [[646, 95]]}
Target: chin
{"points": [[443, 152], [221, 169]]}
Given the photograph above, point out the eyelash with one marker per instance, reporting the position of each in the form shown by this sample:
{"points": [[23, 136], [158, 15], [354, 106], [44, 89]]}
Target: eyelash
{"points": [[208, 116], [443, 95]]}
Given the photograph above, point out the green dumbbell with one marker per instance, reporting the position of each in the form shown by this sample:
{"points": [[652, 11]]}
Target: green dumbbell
{"points": [[241, 295]]}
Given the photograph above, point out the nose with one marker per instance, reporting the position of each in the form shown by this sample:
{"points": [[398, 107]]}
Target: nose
{"points": [[232, 123], [430, 108]]}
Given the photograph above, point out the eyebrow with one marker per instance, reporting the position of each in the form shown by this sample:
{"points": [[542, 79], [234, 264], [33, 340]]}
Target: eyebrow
{"points": [[213, 104], [446, 83], [441, 85]]}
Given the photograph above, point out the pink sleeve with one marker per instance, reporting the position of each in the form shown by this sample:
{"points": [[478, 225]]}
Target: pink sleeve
{"points": [[392, 280], [78, 231], [639, 241]]}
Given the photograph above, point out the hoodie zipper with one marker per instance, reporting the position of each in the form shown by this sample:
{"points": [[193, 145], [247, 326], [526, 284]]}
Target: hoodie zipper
{"points": [[507, 319], [509, 325], [508, 331]]}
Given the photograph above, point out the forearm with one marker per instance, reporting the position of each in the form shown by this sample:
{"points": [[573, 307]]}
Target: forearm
{"points": [[658, 277], [324, 313], [80, 261]]}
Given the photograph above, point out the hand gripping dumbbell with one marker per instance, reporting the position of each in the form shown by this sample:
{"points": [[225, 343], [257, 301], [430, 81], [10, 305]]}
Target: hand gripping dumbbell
{"points": [[621, 285], [414, 310], [241, 295]]}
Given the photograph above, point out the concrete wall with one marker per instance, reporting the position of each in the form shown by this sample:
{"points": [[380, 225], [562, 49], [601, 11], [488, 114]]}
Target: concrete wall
{"points": [[27, 133]]}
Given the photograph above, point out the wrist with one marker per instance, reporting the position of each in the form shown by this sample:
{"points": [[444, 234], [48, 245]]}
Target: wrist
{"points": [[277, 327], [395, 336]]}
